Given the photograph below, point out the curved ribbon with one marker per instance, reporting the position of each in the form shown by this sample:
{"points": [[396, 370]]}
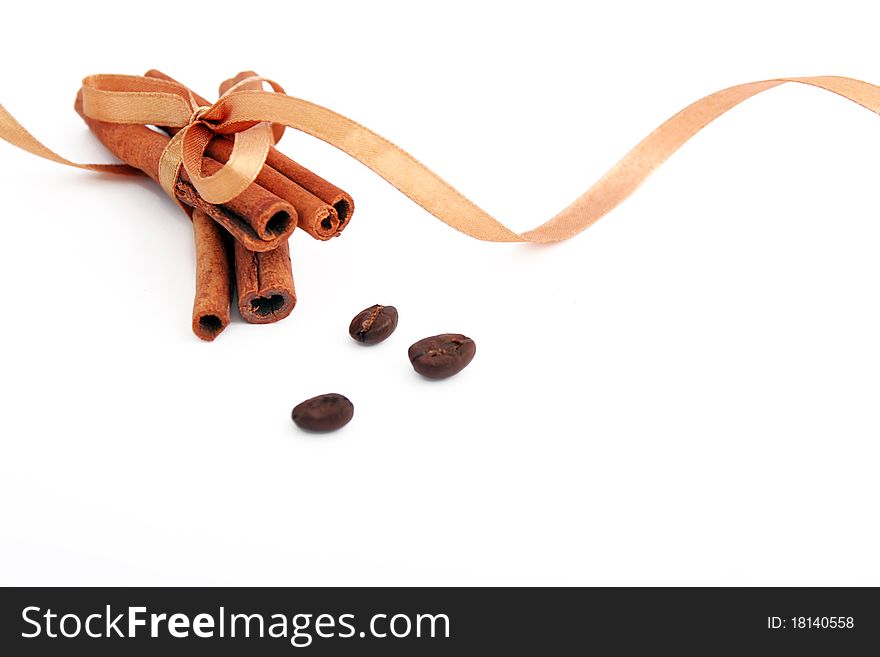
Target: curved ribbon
{"points": [[257, 118]]}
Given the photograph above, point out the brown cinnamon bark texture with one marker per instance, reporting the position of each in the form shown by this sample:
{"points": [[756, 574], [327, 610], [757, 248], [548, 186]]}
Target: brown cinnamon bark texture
{"points": [[326, 191], [313, 215], [257, 218], [323, 209], [265, 284], [213, 278], [317, 218]]}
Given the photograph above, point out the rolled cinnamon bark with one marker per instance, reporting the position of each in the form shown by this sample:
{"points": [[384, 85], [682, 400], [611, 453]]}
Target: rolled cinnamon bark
{"points": [[313, 215], [323, 209], [265, 284], [317, 218], [256, 217], [213, 278], [312, 182], [324, 190]]}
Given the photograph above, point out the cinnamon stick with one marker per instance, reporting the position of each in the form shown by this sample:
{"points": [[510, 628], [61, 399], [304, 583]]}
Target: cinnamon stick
{"points": [[213, 278], [324, 190], [265, 284], [313, 215], [317, 218], [257, 217], [311, 195]]}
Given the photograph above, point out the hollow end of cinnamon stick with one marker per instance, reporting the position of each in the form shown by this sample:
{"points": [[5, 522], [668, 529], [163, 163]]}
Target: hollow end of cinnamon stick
{"points": [[234, 224], [213, 278], [264, 282], [208, 326], [344, 206], [322, 225], [274, 304], [317, 218], [268, 214], [341, 202]]}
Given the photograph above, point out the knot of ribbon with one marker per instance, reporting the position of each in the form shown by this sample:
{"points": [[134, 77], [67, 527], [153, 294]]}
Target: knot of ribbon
{"points": [[198, 113], [257, 118]]}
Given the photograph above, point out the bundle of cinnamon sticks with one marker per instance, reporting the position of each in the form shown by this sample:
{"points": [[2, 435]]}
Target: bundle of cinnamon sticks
{"points": [[241, 245]]}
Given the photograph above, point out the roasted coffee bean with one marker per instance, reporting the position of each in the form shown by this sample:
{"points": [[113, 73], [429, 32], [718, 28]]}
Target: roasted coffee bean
{"points": [[374, 324], [443, 355], [323, 413]]}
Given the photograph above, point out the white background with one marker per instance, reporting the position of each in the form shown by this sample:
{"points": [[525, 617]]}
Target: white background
{"points": [[684, 394]]}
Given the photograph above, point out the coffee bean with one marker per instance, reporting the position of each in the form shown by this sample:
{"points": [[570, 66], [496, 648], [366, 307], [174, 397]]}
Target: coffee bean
{"points": [[374, 324], [323, 413], [443, 355]]}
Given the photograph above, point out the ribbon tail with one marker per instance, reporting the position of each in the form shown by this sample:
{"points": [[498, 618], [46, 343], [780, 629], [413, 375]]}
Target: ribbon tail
{"points": [[13, 132], [442, 200]]}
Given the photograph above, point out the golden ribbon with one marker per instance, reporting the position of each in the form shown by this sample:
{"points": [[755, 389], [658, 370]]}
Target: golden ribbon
{"points": [[257, 119]]}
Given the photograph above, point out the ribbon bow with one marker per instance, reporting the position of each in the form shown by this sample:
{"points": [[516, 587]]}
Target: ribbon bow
{"points": [[257, 119], [131, 99]]}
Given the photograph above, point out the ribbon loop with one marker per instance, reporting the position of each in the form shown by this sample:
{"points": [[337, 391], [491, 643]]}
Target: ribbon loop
{"points": [[136, 100], [249, 151], [169, 165]]}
